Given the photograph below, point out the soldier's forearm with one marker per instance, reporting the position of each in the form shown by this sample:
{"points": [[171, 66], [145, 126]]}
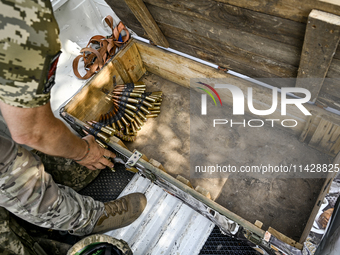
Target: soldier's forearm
{"points": [[39, 129]]}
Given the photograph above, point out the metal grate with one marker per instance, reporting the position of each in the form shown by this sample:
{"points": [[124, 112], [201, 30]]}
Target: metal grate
{"points": [[217, 243], [108, 185]]}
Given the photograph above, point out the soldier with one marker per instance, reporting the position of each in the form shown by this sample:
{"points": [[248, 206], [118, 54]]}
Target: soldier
{"points": [[29, 51]]}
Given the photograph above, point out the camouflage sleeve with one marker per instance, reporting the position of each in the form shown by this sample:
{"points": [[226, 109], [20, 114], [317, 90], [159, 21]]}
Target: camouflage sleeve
{"points": [[29, 49]]}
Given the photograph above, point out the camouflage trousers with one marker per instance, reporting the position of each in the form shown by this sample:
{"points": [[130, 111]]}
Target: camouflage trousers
{"points": [[29, 192]]}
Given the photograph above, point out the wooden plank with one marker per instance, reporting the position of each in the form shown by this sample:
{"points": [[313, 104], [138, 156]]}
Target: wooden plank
{"points": [[284, 238], [268, 26], [330, 92], [305, 131], [331, 87], [328, 100], [323, 127], [226, 56], [334, 69], [330, 137], [132, 63], [335, 149], [230, 63], [232, 37], [326, 137], [121, 70], [148, 23], [289, 9], [316, 118], [321, 41]]}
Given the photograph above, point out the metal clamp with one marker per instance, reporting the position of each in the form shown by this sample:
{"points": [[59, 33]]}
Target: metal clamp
{"points": [[134, 158]]}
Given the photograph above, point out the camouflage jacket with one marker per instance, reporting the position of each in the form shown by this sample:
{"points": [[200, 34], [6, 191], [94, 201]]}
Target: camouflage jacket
{"points": [[29, 48]]}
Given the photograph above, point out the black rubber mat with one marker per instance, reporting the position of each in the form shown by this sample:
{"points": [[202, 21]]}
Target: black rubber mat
{"points": [[108, 184], [218, 243]]}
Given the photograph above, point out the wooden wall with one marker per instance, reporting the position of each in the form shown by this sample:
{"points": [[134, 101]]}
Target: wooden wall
{"points": [[258, 38]]}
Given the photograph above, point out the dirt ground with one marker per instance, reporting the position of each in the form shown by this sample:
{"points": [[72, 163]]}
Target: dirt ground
{"points": [[284, 204]]}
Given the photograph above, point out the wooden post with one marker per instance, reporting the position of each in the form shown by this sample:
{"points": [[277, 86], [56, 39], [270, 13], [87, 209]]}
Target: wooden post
{"points": [[147, 21], [321, 41]]}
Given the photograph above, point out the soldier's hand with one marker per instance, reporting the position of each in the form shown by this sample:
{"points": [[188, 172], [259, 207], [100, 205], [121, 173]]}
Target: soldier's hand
{"points": [[96, 157]]}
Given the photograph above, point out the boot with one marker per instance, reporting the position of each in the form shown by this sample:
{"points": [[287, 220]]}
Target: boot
{"points": [[120, 212]]}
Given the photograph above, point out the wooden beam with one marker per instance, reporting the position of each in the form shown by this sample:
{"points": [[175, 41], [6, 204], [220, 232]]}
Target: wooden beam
{"points": [[285, 239], [231, 16], [321, 41], [230, 36], [147, 21], [289, 9]]}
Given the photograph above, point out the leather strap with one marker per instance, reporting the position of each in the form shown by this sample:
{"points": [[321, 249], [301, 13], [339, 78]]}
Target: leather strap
{"points": [[100, 49]]}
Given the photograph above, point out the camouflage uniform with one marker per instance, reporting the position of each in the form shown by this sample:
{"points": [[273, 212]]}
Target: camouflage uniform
{"points": [[29, 45]]}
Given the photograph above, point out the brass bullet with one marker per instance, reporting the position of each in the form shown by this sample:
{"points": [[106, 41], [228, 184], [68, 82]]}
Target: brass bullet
{"points": [[140, 86], [151, 99], [142, 116], [101, 128], [137, 127], [158, 93], [154, 108], [127, 130], [135, 95], [144, 110], [131, 113], [101, 144], [131, 107], [125, 122], [152, 115], [139, 90], [133, 101], [140, 122], [128, 117], [120, 125], [103, 137], [133, 128], [147, 104], [111, 129]]}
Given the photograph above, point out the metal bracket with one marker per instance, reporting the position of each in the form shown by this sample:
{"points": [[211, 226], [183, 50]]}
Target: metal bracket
{"points": [[134, 158]]}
